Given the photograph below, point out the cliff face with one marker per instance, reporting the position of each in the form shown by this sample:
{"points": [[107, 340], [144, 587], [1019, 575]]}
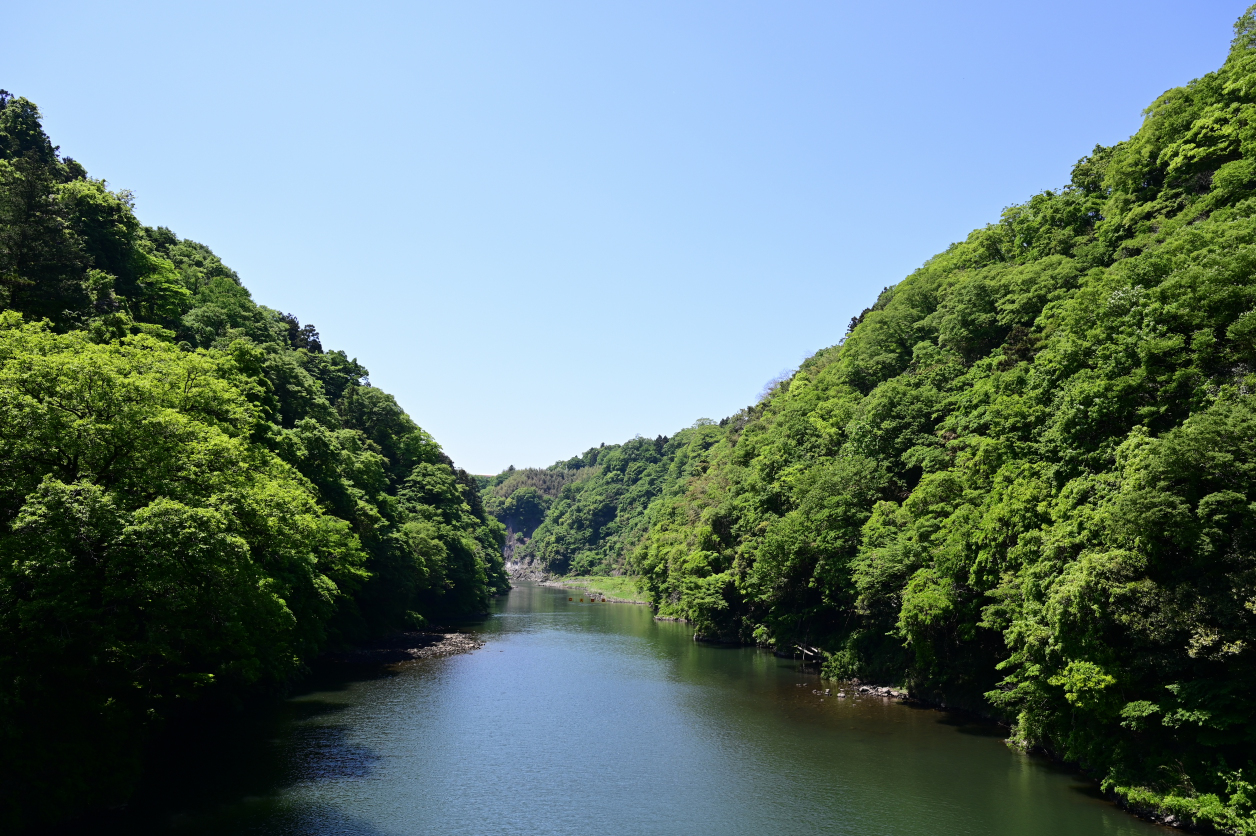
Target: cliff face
{"points": [[519, 564]]}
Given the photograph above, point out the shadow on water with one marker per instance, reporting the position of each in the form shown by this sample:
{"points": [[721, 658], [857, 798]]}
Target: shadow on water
{"points": [[598, 718], [970, 724], [258, 816], [323, 753], [975, 726], [1090, 789], [317, 821], [219, 772], [1079, 782], [965, 722]]}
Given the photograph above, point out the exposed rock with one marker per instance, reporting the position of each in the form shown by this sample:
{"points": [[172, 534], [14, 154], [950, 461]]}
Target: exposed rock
{"points": [[405, 647], [882, 691], [524, 570]]}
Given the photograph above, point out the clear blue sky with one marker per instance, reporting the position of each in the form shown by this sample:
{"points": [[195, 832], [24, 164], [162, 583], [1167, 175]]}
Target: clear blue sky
{"points": [[545, 225]]}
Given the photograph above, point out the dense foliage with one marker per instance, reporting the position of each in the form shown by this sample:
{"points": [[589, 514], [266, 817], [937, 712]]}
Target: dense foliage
{"points": [[195, 497], [585, 515], [1025, 480]]}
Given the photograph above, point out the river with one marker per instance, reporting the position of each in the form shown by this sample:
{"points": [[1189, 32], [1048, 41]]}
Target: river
{"points": [[580, 718]]}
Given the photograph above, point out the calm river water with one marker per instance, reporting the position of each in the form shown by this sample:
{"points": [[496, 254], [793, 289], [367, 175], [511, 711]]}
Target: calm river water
{"points": [[594, 718]]}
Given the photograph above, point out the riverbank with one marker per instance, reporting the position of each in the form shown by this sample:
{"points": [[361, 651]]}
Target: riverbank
{"points": [[619, 590], [624, 590], [400, 748], [405, 647]]}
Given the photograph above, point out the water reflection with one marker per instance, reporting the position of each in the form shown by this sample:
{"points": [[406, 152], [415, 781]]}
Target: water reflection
{"points": [[578, 717]]}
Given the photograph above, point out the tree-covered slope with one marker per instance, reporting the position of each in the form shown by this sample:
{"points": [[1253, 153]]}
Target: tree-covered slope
{"points": [[587, 515], [195, 497], [1026, 479]]}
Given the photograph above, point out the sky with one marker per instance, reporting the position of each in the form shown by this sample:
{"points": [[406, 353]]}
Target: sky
{"points": [[547, 225]]}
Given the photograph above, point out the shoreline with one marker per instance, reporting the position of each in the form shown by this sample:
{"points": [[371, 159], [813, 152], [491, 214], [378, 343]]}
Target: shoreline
{"points": [[558, 583], [404, 647]]}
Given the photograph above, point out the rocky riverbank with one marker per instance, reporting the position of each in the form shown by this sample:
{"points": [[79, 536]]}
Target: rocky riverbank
{"points": [[880, 691], [405, 647]]}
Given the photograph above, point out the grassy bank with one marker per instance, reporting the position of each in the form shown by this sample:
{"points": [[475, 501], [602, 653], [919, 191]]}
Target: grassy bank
{"points": [[620, 588]]}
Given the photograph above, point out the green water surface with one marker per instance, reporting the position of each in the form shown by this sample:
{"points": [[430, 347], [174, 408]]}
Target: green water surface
{"points": [[581, 718]]}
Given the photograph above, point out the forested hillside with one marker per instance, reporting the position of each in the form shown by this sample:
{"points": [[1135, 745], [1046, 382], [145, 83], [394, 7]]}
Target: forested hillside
{"points": [[195, 497], [1024, 481], [587, 514]]}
